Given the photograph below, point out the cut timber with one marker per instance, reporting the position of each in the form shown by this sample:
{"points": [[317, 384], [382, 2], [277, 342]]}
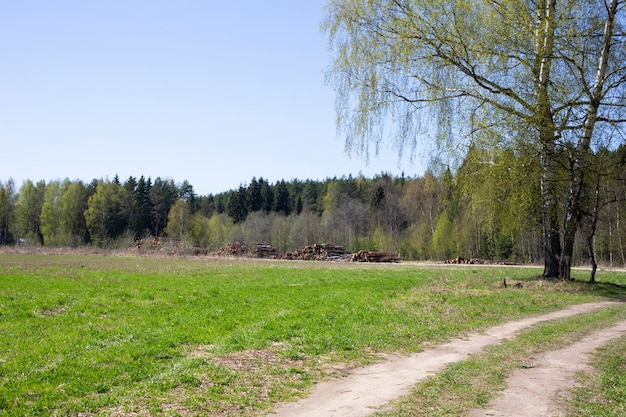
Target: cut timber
{"points": [[319, 252], [330, 252], [369, 256], [475, 261], [259, 250], [466, 261]]}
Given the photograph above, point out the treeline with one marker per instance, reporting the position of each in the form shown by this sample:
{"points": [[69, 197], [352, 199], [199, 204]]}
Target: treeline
{"points": [[487, 209]]}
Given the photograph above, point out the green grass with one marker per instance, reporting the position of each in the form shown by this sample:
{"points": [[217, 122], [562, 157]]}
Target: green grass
{"points": [[95, 335], [603, 393]]}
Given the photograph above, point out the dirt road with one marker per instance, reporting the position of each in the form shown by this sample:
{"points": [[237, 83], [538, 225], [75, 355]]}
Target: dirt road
{"points": [[548, 379], [366, 389]]}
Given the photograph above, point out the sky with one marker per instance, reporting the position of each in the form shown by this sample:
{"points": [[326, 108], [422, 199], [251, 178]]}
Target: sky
{"points": [[212, 92]]}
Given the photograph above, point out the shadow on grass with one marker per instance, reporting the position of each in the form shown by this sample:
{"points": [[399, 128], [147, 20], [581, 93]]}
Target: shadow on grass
{"points": [[606, 289]]}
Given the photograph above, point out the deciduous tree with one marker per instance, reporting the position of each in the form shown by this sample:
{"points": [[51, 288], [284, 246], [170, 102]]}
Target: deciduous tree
{"points": [[28, 212], [7, 211], [104, 215], [179, 220], [539, 74]]}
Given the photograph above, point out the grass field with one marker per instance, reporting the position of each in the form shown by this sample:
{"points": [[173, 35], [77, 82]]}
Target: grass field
{"points": [[98, 335]]}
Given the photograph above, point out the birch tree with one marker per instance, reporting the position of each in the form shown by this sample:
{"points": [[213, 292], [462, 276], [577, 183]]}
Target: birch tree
{"points": [[538, 75]]}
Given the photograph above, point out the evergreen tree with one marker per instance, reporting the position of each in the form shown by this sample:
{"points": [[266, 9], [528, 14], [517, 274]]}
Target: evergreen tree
{"points": [[187, 194], [163, 194], [130, 203], [282, 199], [310, 194], [142, 219], [256, 195], [299, 205], [238, 205], [267, 191]]}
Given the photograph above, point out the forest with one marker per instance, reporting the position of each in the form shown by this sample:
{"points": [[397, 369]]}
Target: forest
{"points": [[486, 208]]}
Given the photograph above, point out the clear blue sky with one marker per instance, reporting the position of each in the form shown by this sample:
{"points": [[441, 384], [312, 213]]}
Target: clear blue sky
{"points": [[213, 92]]}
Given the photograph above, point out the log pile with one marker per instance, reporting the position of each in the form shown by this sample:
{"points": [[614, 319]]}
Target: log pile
{"points": [[369, 256], [465, 261], [265, 251], [319, 252], [258, 250], [167, 246]]}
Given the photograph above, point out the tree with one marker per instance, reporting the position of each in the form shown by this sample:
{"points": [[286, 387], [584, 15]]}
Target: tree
{"points": [[188, 195], [163, 194], [218, 230], [267, 192], [179, 220], [282, 203], [28, 212], [255, 194], [141, 219], [50, 218], [104, 215], [238, 205], [311, 192], [332, 196], [610, 76], [62, 219], [539, 75], [73, 205], [500, 192], [130, 202], [7, 211]]}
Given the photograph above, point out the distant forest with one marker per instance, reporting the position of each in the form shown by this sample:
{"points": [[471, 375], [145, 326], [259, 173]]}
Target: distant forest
{"points": [[488, 208]]}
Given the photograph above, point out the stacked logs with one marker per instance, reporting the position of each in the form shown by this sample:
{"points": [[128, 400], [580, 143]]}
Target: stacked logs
{"points": [[258, 250], [369, 256], [465, 261], [330, 252], [319, 252], [265, 251]]}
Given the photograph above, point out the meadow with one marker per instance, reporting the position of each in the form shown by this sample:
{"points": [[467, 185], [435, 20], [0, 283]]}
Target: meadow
{"points": [[113, 335]]}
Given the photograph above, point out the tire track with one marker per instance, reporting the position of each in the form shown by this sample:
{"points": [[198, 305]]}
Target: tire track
{"points": [[367, 389]]}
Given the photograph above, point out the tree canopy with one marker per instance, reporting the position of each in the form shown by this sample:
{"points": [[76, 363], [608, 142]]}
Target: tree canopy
{"points": [[543, 77]]}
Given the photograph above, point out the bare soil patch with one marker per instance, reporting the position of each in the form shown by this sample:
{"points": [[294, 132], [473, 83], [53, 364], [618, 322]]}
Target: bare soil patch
{"points": [[365, 390]]}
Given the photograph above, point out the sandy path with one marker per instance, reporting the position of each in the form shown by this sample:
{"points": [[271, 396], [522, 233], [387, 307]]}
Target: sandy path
{"points": [[366, 389], [540, 390]]}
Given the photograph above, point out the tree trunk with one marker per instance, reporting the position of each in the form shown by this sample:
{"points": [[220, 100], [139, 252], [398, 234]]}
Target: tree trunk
{"points": [[572, 216], [592, 257], [595, 214], [549, 217], [544, 36]]}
